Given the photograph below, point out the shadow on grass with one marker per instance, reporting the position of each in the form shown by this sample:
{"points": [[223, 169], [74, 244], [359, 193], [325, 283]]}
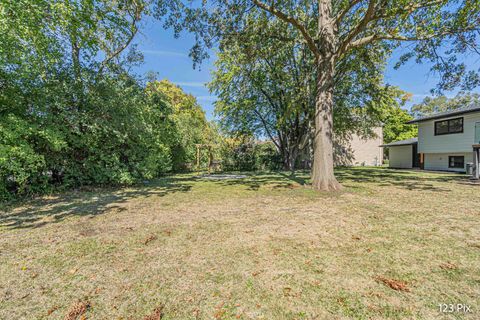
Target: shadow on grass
{"points": [[93, 202], [277, 180], [90, 202], [408, 179]]}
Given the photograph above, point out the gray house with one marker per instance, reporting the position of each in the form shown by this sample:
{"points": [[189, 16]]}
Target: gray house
{"points": [[447, 141], [403, 154]]}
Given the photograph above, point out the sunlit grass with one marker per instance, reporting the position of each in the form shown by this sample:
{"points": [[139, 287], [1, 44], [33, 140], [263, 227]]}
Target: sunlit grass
{"points": [[263, 247]]}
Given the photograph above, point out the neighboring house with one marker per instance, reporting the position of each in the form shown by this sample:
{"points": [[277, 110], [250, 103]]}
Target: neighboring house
{"points": [[359, 151], [403, 154], [447, 141]]}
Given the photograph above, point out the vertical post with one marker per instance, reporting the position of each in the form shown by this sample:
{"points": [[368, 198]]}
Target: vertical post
{"points": [[476, 162], [209, 159], [198, 157]]}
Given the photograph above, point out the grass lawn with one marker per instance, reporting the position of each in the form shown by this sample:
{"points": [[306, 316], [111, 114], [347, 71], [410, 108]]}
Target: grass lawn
{"points": [[391, 245]]}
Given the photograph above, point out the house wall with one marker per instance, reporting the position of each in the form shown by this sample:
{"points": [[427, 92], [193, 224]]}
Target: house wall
{"points": [[428, 142], [361, 152], [439, 161], [368, 152], [401, 157]]}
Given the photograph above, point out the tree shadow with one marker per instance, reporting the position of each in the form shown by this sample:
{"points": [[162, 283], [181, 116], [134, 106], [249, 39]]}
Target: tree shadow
{"points": [[89, 202], [96, 201], [408, 179], [276, 179]]}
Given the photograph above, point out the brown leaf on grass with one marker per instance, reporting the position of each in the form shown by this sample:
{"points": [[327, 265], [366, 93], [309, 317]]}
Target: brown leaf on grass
{"points": [[52, 310], [355, 237], [77, 310], [448, 266], [150, 239], [287, 291], [156, 315], [196, 313], [73, 271], [394, 284], [219, 313]]}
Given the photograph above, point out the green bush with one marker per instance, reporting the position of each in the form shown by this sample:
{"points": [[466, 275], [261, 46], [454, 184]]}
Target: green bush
{"points": [[247, 155]]}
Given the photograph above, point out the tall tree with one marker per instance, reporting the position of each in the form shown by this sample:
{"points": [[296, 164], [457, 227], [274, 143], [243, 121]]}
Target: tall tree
{"points": [[331, 29], [70, 113], [189, 119], [431, 105], [395, 118], [265, 87]]}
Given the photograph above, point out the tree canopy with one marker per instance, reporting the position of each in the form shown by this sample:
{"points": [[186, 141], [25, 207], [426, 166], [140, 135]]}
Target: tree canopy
{"points": [[439, 32], [431, 105], [71, 113]]}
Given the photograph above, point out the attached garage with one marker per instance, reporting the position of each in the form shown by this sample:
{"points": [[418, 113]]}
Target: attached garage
{"points": [[403, 154]]}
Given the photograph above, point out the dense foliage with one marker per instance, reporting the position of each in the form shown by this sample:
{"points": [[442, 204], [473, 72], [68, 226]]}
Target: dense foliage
{"points": [[333, 31], [431, 105], [190, 124], [267, 88], [246, 154], [70, 112]]}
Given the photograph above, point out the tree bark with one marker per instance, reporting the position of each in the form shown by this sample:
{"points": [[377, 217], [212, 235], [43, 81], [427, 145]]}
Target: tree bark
{"points": [[292, 159], [323, 177]]}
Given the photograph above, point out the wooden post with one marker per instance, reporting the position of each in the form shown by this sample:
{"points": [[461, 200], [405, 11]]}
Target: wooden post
{"points": [[476, 160], [209, 159], [198, 157]]}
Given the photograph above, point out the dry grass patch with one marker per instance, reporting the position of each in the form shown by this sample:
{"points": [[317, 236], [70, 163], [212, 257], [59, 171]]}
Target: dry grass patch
{"points": [[392, 245]]}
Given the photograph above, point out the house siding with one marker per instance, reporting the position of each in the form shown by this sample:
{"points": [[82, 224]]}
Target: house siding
{"points": [[401, 157], [439, 161], [360, 152], [428, 142], [368, 152]]}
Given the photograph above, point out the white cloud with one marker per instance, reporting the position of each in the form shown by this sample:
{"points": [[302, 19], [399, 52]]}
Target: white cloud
{"points": [[166, 53], [190, 84]]}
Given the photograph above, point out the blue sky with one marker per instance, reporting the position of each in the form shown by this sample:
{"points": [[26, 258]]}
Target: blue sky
{"points": [[168, 57]]}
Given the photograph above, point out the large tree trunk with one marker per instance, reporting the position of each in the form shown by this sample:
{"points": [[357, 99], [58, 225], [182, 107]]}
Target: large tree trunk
{"points": [[323, 177]]}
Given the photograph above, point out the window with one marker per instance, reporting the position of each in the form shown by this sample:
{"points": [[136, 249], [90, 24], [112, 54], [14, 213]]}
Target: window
{"points": [[449, 126], [456, 162]]}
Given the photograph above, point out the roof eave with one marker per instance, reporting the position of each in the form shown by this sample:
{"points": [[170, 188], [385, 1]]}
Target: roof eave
{"points": [[442, 116], [397, 145]]}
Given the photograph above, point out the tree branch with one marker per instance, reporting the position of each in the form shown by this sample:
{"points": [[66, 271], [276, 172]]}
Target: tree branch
{"points": [[341, 15], [376, 37], [136, 16], [294, 22], [369, 14], [267, 130]]}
